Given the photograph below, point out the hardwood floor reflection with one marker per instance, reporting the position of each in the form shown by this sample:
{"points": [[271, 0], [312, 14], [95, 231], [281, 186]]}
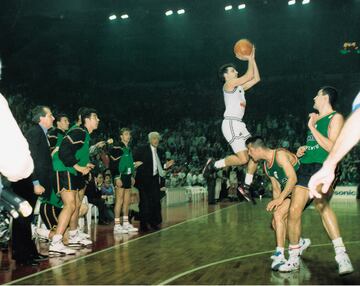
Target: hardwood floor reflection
{"points": [[225, 244]]}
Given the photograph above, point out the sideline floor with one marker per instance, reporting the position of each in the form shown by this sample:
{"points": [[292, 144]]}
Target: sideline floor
{"points": [[225, 244]]}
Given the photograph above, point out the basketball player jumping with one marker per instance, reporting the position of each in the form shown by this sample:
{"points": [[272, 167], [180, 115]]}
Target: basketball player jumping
{"points": [[233, 128]]}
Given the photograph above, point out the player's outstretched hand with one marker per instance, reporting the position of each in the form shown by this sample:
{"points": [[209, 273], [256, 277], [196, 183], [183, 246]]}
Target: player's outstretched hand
{"points": [[325, 176]]}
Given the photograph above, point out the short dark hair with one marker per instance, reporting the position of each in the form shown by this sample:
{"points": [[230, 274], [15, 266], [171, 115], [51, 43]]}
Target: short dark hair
{"points": [[59, 116], [99, 173], [123, 130], [256, 141], [80, 112], [87, 114], [223, 69], [332, 93], [37, 112]]}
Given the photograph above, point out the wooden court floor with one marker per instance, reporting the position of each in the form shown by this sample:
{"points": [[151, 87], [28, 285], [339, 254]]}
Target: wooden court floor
{"points": [[231, 244]]}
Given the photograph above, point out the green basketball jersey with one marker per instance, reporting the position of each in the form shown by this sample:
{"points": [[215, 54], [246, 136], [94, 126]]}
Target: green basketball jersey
{"points": [[314, 152], [126, 164], [56, 162], [60, 137], [82, 155], [276, 171]]}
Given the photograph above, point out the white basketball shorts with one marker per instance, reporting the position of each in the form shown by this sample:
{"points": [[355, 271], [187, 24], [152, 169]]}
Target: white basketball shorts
{"points": [[235, 133]]}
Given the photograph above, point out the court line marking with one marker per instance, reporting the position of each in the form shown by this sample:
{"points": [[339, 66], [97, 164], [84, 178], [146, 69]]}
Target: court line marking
{"points": [[115, 246], [232, 259]]}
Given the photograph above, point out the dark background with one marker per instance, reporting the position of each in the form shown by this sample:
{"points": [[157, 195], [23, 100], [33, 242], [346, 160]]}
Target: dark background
{"points": [[150, 67]]}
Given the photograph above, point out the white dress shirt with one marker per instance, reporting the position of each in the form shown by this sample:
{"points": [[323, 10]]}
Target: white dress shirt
{"points": [[15, 159], [154, 160], [157, 168]]}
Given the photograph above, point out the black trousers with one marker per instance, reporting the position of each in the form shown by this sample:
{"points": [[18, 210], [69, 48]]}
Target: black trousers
{"points": [[23, 247], [149, 205]]}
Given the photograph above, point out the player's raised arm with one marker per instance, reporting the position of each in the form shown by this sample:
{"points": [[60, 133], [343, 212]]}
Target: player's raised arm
{"points": [[256, 78], [248, 76]]}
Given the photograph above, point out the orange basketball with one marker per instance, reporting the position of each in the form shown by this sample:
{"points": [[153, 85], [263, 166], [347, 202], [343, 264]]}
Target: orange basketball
{"points": [[243, 47]]}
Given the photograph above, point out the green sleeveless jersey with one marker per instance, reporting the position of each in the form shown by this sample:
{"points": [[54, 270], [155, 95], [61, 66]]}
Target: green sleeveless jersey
{"points": [[126, 164], [82, 155], [276, 171], [314, 152]]}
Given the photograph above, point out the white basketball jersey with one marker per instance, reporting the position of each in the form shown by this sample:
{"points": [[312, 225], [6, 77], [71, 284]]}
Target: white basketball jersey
{"points": [[235, 103]]}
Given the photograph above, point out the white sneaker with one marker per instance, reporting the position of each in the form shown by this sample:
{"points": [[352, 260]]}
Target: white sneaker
{"points": [[77, 240], [292, 264], [119, 229], [275, 255], [345, 266], [58, 248], [129, 227], [278, 260], [306, 242], [42, 233], [84, 235]]}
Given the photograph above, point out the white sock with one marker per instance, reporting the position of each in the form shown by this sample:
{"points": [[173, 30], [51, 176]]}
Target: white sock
{"points": [[125, 219], [72, 232], [301, 241], [294, 250], [56, 238], [220, 164], [280, 249], [339, 245], [248, 179]]}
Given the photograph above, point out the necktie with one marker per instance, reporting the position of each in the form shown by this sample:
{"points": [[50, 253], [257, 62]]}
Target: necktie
{"points": [[158, 163], [47, 139]]}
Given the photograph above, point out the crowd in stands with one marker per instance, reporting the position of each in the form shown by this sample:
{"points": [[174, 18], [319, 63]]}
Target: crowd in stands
{"points": [[191, 141]]}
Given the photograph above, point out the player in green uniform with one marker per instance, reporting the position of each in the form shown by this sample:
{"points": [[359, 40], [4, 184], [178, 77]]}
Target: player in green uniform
{"points": [[81, 193], [124, 182], [324, 128], [56, 134], [72, 165], [348, 138], [280, 165]]}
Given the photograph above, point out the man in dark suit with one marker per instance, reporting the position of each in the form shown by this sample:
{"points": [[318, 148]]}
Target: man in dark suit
{"points": [[39, 183], [147, 180]]}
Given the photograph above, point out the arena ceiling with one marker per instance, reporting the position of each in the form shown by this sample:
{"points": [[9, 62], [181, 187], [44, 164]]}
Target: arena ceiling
{"points": [[74, 40]]}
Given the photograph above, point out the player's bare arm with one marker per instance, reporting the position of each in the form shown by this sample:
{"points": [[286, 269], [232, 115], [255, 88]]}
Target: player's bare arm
{"points": [[335, 126]]}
